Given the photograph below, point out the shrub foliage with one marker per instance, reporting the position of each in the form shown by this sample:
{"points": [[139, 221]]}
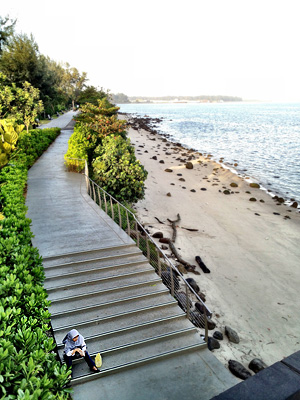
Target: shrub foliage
{"points": [[101, 139], [117, 170], [28, 365]]}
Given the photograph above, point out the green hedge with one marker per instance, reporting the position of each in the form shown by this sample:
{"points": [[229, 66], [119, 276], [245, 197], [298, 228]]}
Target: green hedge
{"points": [[28, 365]]}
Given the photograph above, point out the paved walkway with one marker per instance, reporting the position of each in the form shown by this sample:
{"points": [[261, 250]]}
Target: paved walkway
{"points": [[99, 281], [64, 218]]}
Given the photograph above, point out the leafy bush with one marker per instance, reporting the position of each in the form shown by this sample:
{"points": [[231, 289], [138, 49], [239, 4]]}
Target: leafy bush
{"points": [[118, 171], [9, 133], [34, 143], [78, 145], [28, 365]]}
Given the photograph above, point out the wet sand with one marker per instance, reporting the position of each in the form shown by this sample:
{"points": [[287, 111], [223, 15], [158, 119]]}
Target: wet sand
{"points": [[252, 252]]}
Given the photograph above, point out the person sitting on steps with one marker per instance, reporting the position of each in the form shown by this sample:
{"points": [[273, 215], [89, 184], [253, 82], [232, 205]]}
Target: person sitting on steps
{"points": [[75, 347]]}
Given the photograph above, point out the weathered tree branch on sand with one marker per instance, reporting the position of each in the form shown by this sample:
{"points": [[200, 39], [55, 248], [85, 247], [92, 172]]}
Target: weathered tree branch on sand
{"points": [[159, 220], [188, 267], [173, 224], [189, 229]]}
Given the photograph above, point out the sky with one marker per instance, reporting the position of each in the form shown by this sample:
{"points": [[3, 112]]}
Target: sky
{"points": [[244, 48]]}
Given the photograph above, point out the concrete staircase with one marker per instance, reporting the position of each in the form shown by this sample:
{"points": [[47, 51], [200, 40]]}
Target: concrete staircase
{"points": [[119, 304]]}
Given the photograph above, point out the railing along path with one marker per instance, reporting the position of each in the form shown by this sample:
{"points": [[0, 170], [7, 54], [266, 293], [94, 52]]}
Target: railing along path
{"points": [[179, 288]]}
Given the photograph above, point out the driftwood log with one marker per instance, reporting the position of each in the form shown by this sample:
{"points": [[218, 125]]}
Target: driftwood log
{"points": [[173, 224], [188, 267]]}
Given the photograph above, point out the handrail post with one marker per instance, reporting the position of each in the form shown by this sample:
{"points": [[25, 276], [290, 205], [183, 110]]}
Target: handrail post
{"points": [[172, 281], [187, 301], [138, 238], [99, 196], [112, 210], [206, 325], [158, 262], [148, 248], [94, 193], [105, 202], [128, 225], [120, 218]]}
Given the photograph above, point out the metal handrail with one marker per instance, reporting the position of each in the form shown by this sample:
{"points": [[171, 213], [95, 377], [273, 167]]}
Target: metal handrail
{"points": [[139, 234]]}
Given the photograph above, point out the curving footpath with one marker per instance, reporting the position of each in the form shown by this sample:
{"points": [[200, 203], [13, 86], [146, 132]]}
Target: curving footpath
{"points": [[99, 282]]}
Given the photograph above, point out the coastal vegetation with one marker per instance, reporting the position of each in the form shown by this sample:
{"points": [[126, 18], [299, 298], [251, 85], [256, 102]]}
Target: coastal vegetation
{"points": [[100, 138], [58, 85], [28, 364]]}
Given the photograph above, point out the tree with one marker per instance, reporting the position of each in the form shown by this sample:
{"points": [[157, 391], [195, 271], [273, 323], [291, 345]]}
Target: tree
{"points": [[6, 31], [73, 83], [91, 95], [120, 98], [20, 104], [28, 103], [20, 60]]}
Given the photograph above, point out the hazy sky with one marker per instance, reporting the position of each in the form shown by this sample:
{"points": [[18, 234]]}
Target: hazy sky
{"points": [[245, 48]]}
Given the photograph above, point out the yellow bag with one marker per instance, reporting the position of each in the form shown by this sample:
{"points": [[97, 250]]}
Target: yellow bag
{"points": [[98, 360]]}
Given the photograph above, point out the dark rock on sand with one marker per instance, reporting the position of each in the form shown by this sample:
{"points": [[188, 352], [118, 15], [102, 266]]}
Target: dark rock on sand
{"points": [[203, 189], [294, 205], [193, 190], [212, 344], [197, 319], [182, 179], [211, 324], [254, 185], [226, 191], [201, 308], [201, 295], [238, 370], [168, 170], [218, 335], [161, 162], [193, 284], [233, 184], [232, 335], [189, 165], [202, 265], [252, 199], [183, 300], [257, 365], [166, 278], [169, 194], [158, 235], [154, 158], [164, 240]]}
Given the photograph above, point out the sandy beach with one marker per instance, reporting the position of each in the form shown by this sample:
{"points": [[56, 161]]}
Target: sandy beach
{"points": [[251, 247]]}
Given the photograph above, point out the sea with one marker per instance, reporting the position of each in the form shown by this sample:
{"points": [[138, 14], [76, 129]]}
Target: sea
{"points": [[260, 141]]}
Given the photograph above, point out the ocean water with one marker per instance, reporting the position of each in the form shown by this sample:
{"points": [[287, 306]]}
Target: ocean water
{"points": [[262, 138]]}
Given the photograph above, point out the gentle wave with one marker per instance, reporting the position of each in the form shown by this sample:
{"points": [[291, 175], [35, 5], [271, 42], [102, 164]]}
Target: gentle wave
{"points": [[262, 138]]}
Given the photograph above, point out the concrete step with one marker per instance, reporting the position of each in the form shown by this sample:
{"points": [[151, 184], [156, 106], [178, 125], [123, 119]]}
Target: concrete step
{"points": [[79, 315], [98, 286], [94, 263], [121, 321], [87, 255], [87, 285], [91, 298], [70, 278], [138, 353], [135, 333]]}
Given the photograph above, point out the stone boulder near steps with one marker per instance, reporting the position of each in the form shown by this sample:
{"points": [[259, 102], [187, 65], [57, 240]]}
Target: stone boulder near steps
{"points": [[232, 335]]}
